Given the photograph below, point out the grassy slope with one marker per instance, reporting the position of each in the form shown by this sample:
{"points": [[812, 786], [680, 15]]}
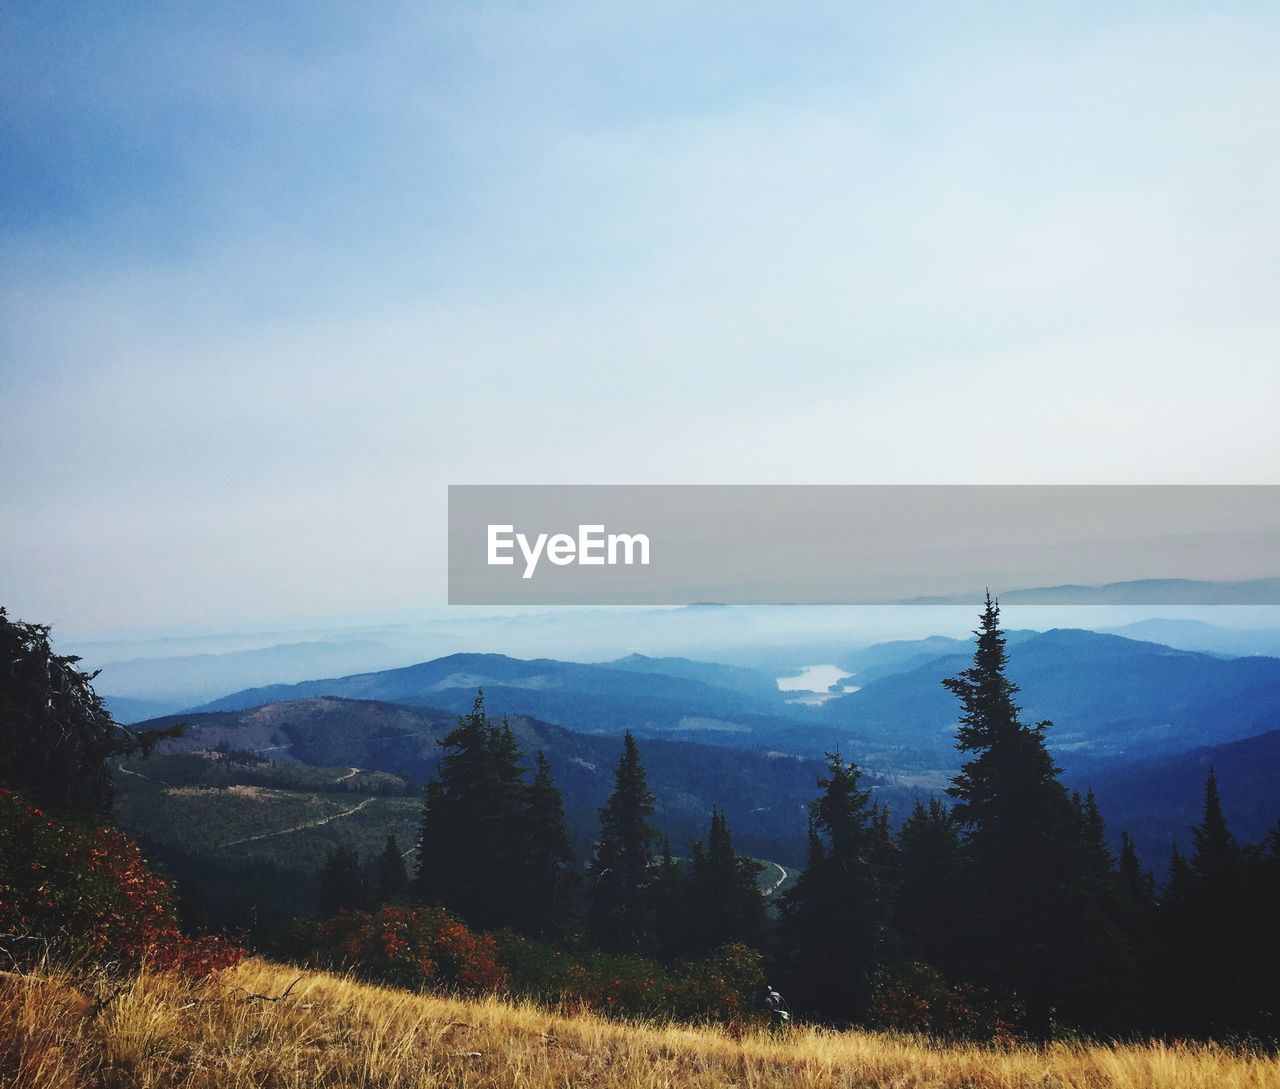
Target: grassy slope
{"points": [[333, 1032]]}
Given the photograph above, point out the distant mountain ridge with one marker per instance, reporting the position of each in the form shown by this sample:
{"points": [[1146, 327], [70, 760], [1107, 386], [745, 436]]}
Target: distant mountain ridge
{"points": [[669, 697], [1108, 697], [1263, 591], [765, 794], [1157, 801]]}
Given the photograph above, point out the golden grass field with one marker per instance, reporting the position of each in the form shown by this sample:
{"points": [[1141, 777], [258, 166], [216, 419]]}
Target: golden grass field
{"points": [[331, 1031]]}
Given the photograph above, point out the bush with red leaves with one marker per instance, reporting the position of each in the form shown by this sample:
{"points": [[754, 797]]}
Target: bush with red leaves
{"points": [[408, 947], [86, 892]]}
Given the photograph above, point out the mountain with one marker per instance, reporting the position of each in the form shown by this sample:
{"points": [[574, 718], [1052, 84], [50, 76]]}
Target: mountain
{"points": [[904, 655], [764, 793], [1265, 591], [137, 687], [1204, 637], [589, 698], [1157, 801], [1108, 697], [748, 682]]}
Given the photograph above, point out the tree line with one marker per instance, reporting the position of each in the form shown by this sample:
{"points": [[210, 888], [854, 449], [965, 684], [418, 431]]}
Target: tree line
{"points": [[1006, 898]]}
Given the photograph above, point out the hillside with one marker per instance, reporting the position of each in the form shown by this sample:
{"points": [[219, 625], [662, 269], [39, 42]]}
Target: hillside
{"points": [[246, 829], [166, 1033], [763, 792], [1108, 697], [1157, 801], [718, 705]]}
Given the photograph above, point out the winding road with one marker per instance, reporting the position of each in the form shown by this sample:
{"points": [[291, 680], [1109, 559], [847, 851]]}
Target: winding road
{"points": [[298, 827], [777, 884]]}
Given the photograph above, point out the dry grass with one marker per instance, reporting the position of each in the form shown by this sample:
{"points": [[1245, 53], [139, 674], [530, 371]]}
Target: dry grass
{"points": [[331, 1031]]}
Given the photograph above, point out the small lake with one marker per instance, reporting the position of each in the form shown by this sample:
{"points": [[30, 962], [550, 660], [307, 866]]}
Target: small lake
{"points": [[812, 685]]}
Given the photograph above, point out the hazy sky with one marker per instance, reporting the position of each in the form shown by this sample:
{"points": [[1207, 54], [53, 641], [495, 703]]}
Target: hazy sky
{"points": [[272, 280]]}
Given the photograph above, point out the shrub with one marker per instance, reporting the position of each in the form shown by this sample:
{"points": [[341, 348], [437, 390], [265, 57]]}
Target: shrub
{"points": [[721, 987], [408, 947], [86, 892], [428, 947], [916, 998]]}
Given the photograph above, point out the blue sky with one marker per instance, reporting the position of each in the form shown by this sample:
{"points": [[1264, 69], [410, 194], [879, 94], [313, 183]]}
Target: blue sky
{"points": [[274, 276]]}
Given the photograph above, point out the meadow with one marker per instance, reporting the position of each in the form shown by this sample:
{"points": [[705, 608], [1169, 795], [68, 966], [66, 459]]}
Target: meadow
{"points": [[233, 1030]]}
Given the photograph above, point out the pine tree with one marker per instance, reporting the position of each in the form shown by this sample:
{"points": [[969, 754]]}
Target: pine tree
{"points": [[393, 875], [1211, 927], [834, 920], [929, 885], [550, 877], [619, 877], [1021, 837], [1137, 886], [669, 895], [1138, 919], [343, 886], [472, 838], [1216, 859], [1101, 982], [56, 734], [725, 904]]}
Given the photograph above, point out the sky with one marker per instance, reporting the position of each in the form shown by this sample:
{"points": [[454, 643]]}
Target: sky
{"points": [[273, 276]]}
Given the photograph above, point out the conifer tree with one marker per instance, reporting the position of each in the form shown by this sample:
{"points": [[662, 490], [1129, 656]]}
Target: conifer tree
{"points": [[929, 885], [669, 895], [393, 875], [1021, 837], [1216, 860], [833, 924], [619, 877], [472, 838], [1137, 886], [1101, 980], [725, 904], [550, 877], [1139, 923], [1211, 928], [343, 886], [56, 734]]}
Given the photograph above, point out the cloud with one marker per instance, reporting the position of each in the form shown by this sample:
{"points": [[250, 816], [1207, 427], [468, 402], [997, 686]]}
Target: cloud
{"points": [[318, 273]]}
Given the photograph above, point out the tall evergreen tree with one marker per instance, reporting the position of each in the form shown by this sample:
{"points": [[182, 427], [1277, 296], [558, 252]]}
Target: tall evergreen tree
{"points": [[56, 734], [343, 886], [669, 896], [549, 859], [1210, 924], [1216, 860], [619, 877], [724, 900], [834, 920], [472, 838], [393, 875], [1102, 980], [928, 885], [1021, 836]]}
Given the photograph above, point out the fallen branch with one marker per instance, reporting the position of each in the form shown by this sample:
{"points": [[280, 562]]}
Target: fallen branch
{"points": [[100, 1003], [251, 997]]}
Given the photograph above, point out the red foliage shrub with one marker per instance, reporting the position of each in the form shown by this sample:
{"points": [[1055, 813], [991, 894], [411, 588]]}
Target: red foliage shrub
{"points": [[409, 947], [86, 892], [916, 998], [722, 987]]}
